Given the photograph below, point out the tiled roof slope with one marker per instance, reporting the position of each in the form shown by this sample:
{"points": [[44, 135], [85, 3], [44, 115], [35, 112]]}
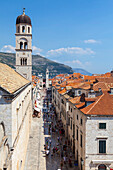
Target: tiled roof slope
{"points": [[105, 80], [10, 80], [102, 106]]}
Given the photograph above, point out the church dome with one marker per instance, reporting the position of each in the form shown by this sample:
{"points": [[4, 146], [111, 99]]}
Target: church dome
{"points": [[23, 19]]}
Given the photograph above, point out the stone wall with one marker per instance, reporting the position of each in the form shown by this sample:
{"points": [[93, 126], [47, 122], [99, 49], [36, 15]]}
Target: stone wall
{"points": [[93, 134], [4, 149]]}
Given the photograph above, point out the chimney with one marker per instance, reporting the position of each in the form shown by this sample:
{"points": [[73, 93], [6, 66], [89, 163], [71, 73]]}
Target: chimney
{"points": [[91, 86], [82, 99], [112, 73]]}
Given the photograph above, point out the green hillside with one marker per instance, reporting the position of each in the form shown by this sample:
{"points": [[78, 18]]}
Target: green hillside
{"points": [[39, 64]]}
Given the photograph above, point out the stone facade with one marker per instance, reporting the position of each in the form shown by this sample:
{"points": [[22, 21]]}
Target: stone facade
{"points": [[93, 135], [16, 116], [76, 134], [4, 147], [82, 111]]}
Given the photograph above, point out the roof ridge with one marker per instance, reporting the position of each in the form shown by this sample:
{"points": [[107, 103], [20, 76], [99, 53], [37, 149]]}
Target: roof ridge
{"points": [[95, 103]]}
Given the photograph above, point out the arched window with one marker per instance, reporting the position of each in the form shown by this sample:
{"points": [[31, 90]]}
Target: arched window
{"points": [[25, 61], [21, 61], [18, 29], [23, 28], [102, 167], [28, 29], [21, 45], [25, 45]]}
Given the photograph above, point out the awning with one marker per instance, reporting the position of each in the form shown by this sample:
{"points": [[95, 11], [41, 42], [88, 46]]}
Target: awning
{"points": [[37, 109], [102, 161]]}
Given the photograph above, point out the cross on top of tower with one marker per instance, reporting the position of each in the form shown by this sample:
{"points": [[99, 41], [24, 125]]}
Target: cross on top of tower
{"points": [[23, 11]]}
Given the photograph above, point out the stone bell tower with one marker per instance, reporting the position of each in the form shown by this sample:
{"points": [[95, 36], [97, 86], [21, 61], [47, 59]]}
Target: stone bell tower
{"points": [[47, 78], [24, 46]]}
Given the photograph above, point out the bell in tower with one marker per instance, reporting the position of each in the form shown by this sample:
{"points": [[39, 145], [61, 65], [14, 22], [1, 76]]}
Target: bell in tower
{"points": [[24, 46]]}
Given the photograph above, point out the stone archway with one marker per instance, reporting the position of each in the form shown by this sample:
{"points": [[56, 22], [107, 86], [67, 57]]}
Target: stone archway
{"points": [[102, 167]]}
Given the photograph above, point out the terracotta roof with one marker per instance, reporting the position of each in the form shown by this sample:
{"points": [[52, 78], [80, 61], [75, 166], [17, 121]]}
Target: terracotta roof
{"points": [[10, 80], [105, 80], [80, 105], [102, 106], [102, 85], [75, 100], [63, 91]]}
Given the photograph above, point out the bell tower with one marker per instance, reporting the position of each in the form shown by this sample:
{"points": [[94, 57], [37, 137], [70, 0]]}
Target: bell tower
{"points": [[47, 78], [24, 46]]}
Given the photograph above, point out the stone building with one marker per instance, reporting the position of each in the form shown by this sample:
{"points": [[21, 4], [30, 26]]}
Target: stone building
{"points": [[24, 46], [15, 118], [86, 112], [4, 147]]}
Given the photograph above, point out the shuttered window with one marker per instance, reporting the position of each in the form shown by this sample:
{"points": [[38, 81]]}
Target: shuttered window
{"points": [[102, 146]]}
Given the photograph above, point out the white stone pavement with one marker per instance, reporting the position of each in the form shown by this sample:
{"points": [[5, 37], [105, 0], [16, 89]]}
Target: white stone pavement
{"points": [[35, 159]]}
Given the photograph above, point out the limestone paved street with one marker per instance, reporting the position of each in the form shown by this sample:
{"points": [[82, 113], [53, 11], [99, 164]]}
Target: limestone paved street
{"points": [[35, 158]]}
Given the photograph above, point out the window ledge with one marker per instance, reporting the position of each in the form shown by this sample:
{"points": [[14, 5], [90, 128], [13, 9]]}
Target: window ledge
{"points": [[101, 137]]}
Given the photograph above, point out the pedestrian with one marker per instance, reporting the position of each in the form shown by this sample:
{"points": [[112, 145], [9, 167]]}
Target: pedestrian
{"points": [[64, 159], [61, 164], [58, 138], [47, 152], [50, 142], [53, 149], [70, 163], [47, 141], [48, 147]]}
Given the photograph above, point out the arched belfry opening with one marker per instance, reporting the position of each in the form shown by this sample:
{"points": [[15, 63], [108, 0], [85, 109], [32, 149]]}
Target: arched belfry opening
{"points": [[23, 29], [28, 29], [21, 45], [25, 45]]}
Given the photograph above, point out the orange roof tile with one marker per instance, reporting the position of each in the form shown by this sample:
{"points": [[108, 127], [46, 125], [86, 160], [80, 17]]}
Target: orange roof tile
{"points": [[102, 106]]}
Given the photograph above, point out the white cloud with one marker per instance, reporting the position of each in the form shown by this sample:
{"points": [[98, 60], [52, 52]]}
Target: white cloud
{"points": [[74, 62], [71, 50], [91, 41], [8, 49], [11, 49], [36, 50]]}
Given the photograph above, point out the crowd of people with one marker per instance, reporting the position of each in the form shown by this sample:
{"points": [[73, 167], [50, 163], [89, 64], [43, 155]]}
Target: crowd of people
{"points": [[61, 146]]}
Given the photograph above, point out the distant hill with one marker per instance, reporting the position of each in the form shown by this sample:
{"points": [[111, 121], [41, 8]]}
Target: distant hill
{"points": [[39, 64], [82, 71]]}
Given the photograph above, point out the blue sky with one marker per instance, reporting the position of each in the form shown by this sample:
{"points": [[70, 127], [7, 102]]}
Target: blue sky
{"points": [[78, 33]]}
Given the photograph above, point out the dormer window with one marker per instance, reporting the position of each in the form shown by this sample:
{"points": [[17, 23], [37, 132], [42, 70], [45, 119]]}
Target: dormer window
{"points": [[79, 92]]}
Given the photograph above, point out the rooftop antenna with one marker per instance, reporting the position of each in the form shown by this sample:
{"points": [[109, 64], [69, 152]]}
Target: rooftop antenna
{"points": [[23, 11]]}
